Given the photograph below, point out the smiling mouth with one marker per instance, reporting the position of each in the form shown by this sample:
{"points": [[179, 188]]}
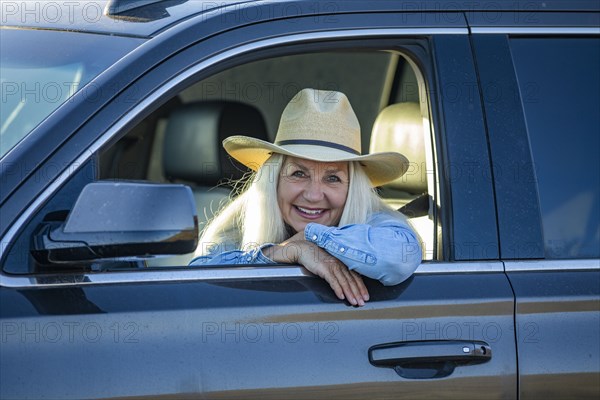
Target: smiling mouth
{"points": [[310, 212]]}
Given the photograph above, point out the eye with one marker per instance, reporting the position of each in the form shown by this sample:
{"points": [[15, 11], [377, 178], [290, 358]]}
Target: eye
{"points": [[298, 174], [333, 179]]}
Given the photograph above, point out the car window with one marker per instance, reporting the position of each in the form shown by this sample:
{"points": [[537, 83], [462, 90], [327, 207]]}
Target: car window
{"points": [[560, 91], [35, 79], [257, 92], [180, 141]]}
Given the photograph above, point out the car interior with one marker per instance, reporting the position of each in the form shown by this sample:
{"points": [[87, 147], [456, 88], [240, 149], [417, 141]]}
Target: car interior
{"points": [[181, 141]]}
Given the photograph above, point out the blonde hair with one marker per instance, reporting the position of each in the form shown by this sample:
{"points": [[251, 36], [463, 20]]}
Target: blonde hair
{"points": [[252, 218]]}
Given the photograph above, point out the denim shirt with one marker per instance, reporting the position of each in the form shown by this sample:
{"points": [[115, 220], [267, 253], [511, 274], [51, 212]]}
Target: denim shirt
{"points": [[385, 248]]}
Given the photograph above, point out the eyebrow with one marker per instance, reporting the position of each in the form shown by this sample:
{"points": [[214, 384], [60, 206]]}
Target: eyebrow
{"points": [[329, 169], [297, 165]]}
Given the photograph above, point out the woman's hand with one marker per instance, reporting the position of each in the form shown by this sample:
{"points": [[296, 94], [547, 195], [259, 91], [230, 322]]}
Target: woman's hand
{"points": [[345, 283]]}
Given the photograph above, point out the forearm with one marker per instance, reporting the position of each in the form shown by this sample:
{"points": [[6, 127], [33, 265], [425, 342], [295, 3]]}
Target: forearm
{"points": [[234, 257], [389, 254], [345, 283]]}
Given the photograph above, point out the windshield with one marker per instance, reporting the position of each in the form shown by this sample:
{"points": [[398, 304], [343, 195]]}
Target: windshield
{"points": [[40, 70]]}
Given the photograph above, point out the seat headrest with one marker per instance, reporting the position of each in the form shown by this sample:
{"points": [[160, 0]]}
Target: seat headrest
{"points": [[192, 148], [399, 127]]}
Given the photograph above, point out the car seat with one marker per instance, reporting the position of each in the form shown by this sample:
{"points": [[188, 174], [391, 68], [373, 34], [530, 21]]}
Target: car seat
{"points": [[399, 127], [193, 153]]}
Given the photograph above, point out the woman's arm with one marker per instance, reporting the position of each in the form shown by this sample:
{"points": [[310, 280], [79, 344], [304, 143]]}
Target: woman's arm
{"points": [[232, 257], [296, 250], [386, 248], [345, 283]]}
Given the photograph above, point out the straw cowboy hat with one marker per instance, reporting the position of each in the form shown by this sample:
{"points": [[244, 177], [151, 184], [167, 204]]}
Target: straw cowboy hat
{"points": [[320, 126]]}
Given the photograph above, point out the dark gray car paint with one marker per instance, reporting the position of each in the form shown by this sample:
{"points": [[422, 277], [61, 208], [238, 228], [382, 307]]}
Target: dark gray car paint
{"points": [[558, 320], [200, 339], [279, 338]]}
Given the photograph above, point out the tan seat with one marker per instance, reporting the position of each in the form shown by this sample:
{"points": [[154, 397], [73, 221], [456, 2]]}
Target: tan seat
{"points": [[399, 127]]}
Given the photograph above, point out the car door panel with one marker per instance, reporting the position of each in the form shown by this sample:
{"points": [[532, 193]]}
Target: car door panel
{"points": [[556, 279], [558, 320], [237, 333], [230, 338]]}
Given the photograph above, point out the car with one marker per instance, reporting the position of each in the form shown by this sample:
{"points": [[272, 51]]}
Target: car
{"points": [[111, 123]]}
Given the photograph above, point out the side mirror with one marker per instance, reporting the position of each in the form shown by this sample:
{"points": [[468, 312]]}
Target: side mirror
{"points": [[116, 220]]}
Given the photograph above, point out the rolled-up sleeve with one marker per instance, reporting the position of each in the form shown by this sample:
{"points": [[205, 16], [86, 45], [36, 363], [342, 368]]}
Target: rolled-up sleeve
{"points": [[385, 248]]}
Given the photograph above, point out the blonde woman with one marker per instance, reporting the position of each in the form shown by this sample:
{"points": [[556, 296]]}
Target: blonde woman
{"points": [[311, 202]]}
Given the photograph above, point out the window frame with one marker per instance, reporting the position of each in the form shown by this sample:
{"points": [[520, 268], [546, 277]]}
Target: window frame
{"points": [[198, 70]]}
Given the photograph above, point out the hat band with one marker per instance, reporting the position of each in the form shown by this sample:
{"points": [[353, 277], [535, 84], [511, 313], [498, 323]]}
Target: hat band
{"points": [[318, 143]]}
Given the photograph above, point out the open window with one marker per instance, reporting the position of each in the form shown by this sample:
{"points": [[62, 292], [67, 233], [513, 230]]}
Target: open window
{"points": [[181, 142]]}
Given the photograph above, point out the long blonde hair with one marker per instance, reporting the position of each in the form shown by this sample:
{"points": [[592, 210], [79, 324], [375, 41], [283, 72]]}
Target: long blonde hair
{"points": [[252, 218]]}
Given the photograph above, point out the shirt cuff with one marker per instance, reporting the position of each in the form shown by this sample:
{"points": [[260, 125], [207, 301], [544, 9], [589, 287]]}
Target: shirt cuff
{"points": [[260, 256], [313, 232]]}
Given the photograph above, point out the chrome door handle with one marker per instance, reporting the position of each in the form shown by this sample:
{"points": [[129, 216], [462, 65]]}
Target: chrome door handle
{"points": [[429, 358]]}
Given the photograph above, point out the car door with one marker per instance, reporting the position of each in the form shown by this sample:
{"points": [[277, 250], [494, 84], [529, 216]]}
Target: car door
{"points": [[275, 331], [547, 190]]}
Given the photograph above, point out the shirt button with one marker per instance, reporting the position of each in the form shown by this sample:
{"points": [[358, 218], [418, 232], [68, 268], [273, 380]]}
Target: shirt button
{"points": [[249, 259], [314, 237], [342, 250]]}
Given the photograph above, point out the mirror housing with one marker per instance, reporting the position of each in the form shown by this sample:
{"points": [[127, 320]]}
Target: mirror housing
{"points": [[120, 220]]}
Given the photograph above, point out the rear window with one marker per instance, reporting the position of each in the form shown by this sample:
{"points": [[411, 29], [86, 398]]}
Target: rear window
{"points": [[560, 90]]}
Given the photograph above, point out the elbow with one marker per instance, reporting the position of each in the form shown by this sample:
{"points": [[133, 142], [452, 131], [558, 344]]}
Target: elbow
{"points": [[393, 279], [397, 277], [401, 269]]}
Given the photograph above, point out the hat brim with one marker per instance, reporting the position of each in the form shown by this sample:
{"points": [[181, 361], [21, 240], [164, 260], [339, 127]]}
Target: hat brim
{"points": [[381, 168]]}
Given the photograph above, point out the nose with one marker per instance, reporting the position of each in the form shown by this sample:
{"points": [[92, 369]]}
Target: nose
{"points": [[313, 191]]}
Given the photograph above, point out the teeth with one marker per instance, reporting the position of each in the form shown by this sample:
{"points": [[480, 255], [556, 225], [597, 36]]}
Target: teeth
{"points": [[311, 212]]}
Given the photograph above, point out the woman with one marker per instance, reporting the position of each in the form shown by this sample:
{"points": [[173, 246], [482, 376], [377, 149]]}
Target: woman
{"points": [[311, 202]]}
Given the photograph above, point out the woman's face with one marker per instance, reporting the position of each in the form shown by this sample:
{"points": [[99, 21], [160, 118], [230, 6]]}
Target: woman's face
{"points": [[312, 191]]}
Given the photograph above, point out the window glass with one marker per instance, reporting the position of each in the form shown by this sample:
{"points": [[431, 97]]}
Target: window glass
{"points": [[560, 91], [40, 70]]}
